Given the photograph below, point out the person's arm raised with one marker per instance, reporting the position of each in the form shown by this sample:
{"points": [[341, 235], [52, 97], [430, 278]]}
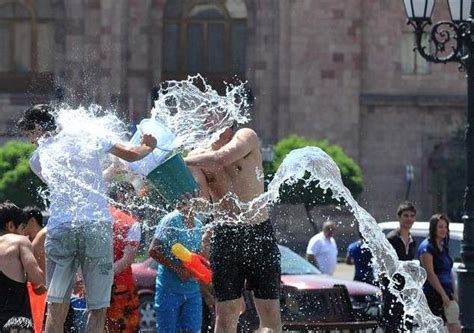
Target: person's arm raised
{"points": [[243, 142], [132, 154]]}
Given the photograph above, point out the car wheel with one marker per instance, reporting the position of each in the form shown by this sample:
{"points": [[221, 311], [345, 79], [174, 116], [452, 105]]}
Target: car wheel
{"points": [[147, 314]]}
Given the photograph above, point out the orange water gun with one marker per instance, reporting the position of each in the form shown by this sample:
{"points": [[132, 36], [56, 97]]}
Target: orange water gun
{"points": [[196, 264]]}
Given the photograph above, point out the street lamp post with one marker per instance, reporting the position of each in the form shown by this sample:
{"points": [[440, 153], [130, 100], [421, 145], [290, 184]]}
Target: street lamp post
{"points": [[453, 41]]}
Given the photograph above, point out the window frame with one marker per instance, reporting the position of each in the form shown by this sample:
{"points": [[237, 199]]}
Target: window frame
{"points": [[12, 81], [184, 22]]}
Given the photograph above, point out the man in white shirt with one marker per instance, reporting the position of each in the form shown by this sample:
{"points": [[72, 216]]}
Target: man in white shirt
{"points": [[322, 249], [79, 229]]}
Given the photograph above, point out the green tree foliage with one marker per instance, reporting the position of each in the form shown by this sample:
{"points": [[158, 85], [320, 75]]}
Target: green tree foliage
{"points": [[17, 182], [312, 195]]}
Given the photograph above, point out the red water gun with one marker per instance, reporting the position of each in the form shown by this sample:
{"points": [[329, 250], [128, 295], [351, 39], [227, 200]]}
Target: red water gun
{"points": [[193, 262]]}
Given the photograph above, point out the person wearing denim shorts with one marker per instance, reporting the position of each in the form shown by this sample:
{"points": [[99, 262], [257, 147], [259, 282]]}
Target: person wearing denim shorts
{"points": [[177, 295], [79, 229]]}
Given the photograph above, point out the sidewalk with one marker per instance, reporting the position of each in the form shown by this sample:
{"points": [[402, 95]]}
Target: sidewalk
{"points": [[344, 271]]}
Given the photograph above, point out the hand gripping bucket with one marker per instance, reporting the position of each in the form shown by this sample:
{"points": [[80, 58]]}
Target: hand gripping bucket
{"points": [[173, 179]]}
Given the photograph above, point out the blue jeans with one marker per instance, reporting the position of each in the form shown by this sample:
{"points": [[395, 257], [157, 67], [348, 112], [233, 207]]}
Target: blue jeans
{"points": [[178, 312]]}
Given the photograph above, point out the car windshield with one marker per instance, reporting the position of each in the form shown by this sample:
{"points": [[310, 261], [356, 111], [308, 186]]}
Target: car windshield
{"points": [[293, 264]]}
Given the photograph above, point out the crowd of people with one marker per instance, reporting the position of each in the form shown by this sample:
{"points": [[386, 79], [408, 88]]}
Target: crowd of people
{"points": [[433, 254], [92, 238]]}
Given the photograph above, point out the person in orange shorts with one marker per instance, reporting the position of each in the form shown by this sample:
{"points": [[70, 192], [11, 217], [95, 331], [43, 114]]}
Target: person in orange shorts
{"points": [[123, 313]]}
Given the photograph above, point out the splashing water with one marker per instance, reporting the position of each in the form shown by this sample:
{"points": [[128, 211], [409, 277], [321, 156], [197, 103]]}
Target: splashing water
{"points": [[197, 116], [312, 164], [71, 163]]}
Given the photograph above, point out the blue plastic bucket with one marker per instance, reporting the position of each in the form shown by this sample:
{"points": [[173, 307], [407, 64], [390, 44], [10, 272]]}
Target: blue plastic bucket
{"points": [[173, 179]]}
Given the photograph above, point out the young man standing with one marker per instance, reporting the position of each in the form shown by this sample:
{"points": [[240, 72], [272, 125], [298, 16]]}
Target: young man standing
{"points": [[79, 228], [17, 265], [322, 249], [400, 238], [242, 255], [393, 314]]}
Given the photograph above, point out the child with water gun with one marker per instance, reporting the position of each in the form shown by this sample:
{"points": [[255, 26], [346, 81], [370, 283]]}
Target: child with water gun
{"points": [[178, 299]]}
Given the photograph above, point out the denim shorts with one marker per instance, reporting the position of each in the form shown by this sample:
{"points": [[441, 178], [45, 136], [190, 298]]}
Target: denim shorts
{"points": [[178, 312], [88, 246]]}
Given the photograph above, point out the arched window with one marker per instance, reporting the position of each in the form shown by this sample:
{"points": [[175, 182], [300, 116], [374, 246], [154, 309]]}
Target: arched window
{"points": [[26, 45], [207, 37]]}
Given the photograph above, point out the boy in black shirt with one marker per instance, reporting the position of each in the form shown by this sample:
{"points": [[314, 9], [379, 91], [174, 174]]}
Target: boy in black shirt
{"points": [[393, 317]]}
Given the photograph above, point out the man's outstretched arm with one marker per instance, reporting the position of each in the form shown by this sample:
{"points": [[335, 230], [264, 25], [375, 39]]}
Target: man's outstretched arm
{"points": [[244, 141], [132, 154]]}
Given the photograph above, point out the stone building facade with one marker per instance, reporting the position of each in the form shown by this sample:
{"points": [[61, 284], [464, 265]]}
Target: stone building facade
{"points": [[341, 70]]}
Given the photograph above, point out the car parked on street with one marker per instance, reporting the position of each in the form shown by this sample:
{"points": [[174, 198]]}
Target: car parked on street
{"points": [[298, 280]]}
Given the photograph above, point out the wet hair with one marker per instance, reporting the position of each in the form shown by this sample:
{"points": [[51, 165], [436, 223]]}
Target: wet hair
{"points": [[405, 206], [15, 324], [34, 212], [433, 228], [39, 115], [10, 212], [120, 188]]}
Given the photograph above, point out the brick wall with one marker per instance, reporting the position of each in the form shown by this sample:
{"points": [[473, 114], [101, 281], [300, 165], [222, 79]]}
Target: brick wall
{"points": [[318, 68]]}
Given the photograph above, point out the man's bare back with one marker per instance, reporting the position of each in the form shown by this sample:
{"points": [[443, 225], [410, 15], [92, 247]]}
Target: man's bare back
{"points": [[17, 261], [232, 166]]}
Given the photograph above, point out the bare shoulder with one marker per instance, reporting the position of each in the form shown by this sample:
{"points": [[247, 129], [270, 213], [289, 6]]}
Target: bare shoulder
{"points": [[248, 135], [246, 132], [23, 241], [15, 240], [40, 237]]}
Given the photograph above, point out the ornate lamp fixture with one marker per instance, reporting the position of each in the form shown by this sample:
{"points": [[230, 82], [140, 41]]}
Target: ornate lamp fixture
{"points": [[453, 42]]}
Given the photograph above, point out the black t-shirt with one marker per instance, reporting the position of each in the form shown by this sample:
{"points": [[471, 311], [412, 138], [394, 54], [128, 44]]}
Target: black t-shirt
{"points": [[397, 242]]}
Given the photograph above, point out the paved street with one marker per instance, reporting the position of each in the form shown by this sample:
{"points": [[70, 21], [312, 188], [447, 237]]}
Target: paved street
{"points": [[344, 271]]}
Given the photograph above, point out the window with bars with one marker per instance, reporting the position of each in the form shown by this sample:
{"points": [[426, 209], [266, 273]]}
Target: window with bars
{"points": [[204, 37], [26, 45]]}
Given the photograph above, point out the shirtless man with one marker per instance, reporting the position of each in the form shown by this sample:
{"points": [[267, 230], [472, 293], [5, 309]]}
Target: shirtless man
{"points": [[246, 254], [17, 265]]}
